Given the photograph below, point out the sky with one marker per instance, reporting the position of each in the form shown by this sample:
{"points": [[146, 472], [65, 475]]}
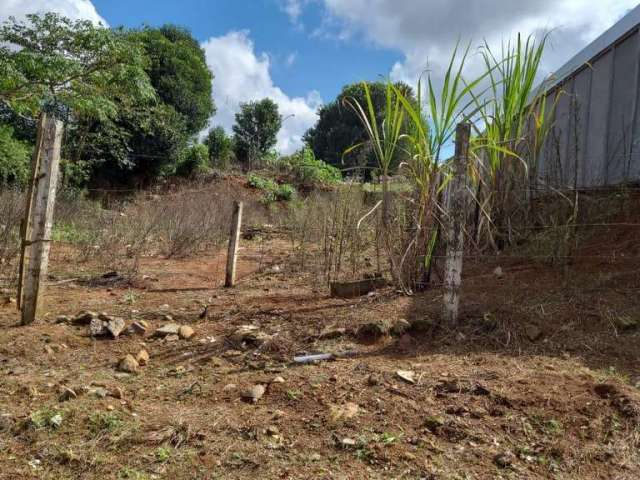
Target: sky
{"points": [[301, 53]]}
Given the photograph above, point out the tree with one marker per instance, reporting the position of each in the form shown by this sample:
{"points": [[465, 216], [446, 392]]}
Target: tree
{"points": [[14, 158], [220, 147], [338, 127], [256, 129], [194, 161], [179, 73], [68, 67]]}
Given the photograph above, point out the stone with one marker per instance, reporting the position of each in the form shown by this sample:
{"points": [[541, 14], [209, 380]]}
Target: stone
{"points": [[84, 317], [117, 392], [373, 330], [167, 329], [229, 387], [343, 412], [128, 364], [249, 335], [100, 392], [348, 443], [407, 375], [503, 460], [231, 353], [142, 357], [63, 319], [139, 327], [186, 332], [254, 393], [498, 272], [172, 338], [533, 332], [67, 394], [115, 326], [272, 431], [48, 350], [331, 333], [374, 380], [97, 327], [277, 380], [400, 327]]}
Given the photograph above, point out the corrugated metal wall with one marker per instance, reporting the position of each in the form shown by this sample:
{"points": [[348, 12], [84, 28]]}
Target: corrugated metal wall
{"points": [[596, 128]]}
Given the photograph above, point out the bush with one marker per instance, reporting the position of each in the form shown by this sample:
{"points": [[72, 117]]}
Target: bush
{"points": [[271, 190], [307, 170], [194, 161], [220, 145], [14, 158]]}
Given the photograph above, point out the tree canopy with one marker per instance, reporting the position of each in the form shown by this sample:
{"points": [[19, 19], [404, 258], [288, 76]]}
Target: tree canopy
{"points": [[256, 129], [339, 128]]}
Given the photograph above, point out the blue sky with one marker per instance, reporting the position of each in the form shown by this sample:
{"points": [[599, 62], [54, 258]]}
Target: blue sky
{"points": [[301, 52]]}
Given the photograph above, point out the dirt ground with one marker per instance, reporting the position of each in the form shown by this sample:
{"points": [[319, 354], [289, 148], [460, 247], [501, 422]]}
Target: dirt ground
{"points": [[538, 382]]}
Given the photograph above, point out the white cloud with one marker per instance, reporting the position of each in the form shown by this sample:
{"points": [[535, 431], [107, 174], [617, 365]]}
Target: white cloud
{"points": [[241, 75], [74, 9], [425, 31]]}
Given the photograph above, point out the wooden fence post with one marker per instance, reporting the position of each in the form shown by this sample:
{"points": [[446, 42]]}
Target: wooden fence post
{"points": [[37, 223], [234, 240], [454, 228]]}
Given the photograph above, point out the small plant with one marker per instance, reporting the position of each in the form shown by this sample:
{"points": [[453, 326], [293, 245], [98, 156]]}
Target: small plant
{"points": [[163, 454], [100, 422], [46, 418], [127, 473], [272, 192], [294, 395]]}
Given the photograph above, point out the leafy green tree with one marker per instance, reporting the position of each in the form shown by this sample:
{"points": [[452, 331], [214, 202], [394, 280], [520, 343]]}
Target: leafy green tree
{"points": [[69, 67], [339, 128], [220, 147], [179, 73], [256, 129]]}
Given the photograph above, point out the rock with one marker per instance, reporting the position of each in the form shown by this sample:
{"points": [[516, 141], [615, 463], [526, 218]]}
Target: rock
{"points": [[84, 317], [347, 443], [400, 327], [171, 338], [254, 394], [533, 332], [63, 319], [115, 326], [407, 375], [231, 353], [48, 350], [249, 335], [164, 307], [272, 431], [128, 364], [142, 357], [229, 387], [97, 327], [277, 380], [117, 392], [315, 457], [373, 330], [67, 394], [139, 327], [423, 325], [503, 460], [374, 380], [166, 330], [498, 272], [331, 333], [186, 332], [343, 412], [100, 392]]}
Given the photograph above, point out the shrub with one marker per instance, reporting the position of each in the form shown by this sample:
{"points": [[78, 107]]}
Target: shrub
{"points": [[194, 161], [14, 158], [272, 192], [221, 153], [307, 170]]}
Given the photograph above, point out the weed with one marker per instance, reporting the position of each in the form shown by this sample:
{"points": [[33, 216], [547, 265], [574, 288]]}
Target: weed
{"points": [[163, 454], [127, 473], [100, 422], [294, 395], [46, 418]]}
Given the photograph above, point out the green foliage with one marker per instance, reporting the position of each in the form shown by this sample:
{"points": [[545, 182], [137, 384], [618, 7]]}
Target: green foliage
{"points": [[194, 161], [46, 418], [179, 73], [307, 170], [14, 158], [272, 192], [100, 422], [257, 126], [220, 148], [49, 61], [339, 127]]}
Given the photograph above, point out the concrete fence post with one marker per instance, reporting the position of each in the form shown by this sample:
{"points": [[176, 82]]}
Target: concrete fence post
{"points": [[455, 209], [234, 240]]}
